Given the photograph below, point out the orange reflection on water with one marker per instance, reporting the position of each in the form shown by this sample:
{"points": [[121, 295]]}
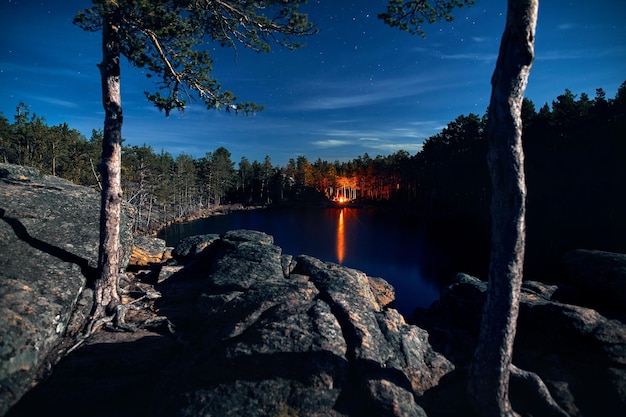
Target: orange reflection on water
{"points": [[341, 243]]}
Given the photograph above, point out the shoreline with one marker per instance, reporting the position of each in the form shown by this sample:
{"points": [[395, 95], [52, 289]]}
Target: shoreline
{"points": [[202, 214]]}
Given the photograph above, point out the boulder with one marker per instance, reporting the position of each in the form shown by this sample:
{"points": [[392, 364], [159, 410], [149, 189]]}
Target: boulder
{"points": [[149, 251], [192, 246], [578, 352], [314, 342], [49, 233]]}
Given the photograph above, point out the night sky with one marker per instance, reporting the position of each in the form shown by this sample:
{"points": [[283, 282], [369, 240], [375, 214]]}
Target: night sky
{"points": [[357, 86]]}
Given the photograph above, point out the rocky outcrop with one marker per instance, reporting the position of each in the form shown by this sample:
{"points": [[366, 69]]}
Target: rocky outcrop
{"points": [[580, 354], [48, 250], [249, 331], [317, 341], [232, 326]]}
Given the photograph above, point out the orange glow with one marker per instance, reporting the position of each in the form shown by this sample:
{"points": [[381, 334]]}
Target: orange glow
{"points": [[341, 248]]}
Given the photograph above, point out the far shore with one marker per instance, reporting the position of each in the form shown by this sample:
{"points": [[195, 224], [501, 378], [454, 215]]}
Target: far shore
{"points": [[201, 214]]}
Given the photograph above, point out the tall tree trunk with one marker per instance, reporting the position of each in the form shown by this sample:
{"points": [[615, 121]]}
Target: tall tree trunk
{"points": [[489, 374], [106, 294]]}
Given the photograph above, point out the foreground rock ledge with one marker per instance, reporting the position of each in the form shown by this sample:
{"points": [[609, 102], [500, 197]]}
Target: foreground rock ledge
{"points": [[48, 248], [272, 336], [255, 333]]}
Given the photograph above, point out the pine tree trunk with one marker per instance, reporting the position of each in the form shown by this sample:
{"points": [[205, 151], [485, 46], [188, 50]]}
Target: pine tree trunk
{"points": [[106, 292], [489, 374]]}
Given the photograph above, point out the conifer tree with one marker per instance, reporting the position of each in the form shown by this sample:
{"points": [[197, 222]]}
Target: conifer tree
{"points": [[167, 38]]}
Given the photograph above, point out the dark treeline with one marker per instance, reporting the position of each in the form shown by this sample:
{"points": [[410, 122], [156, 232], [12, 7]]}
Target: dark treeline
{"points": [[575, 164]]}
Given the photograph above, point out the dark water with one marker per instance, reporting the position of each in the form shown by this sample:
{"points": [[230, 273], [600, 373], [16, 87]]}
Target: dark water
{"points": [[390, 246]]}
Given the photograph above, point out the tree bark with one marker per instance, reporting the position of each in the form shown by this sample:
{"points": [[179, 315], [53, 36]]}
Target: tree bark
{"points": [[489, 373], [106, 287]]}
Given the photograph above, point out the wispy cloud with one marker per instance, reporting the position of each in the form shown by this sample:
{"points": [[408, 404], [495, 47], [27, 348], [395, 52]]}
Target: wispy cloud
{"points": [[406, 133], [58, 102], [345, 133], [331, 143], [383, 140], [43, 71], [355, 93], [565, 26]]}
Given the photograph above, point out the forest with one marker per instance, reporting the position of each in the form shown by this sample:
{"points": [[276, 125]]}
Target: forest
{"points": [[575, 165]]}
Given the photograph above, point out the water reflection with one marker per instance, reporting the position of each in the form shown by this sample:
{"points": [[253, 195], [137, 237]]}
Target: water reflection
{"points": [[341, 235]]}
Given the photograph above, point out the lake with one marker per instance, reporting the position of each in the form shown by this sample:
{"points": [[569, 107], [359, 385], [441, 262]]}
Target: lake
{"points": [[381, 244]]}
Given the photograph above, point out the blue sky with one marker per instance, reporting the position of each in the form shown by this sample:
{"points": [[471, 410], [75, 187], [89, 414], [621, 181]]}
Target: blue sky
{"points": [[357, 86]]}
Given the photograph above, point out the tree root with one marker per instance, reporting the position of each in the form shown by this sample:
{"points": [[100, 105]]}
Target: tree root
{"points": [[117, 322], [533, 383], [113, 318]]}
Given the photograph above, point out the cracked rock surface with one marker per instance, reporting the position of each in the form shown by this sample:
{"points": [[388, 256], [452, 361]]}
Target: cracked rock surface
{"points": [[316, 340], [49, 232], [251, 332]]}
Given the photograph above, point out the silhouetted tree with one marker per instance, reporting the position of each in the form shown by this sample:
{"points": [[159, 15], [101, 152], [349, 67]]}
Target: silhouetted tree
{"points": [[138, 180], [6, 140], [263, 174], [304, 171], [219, 174], [244, 180]]}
